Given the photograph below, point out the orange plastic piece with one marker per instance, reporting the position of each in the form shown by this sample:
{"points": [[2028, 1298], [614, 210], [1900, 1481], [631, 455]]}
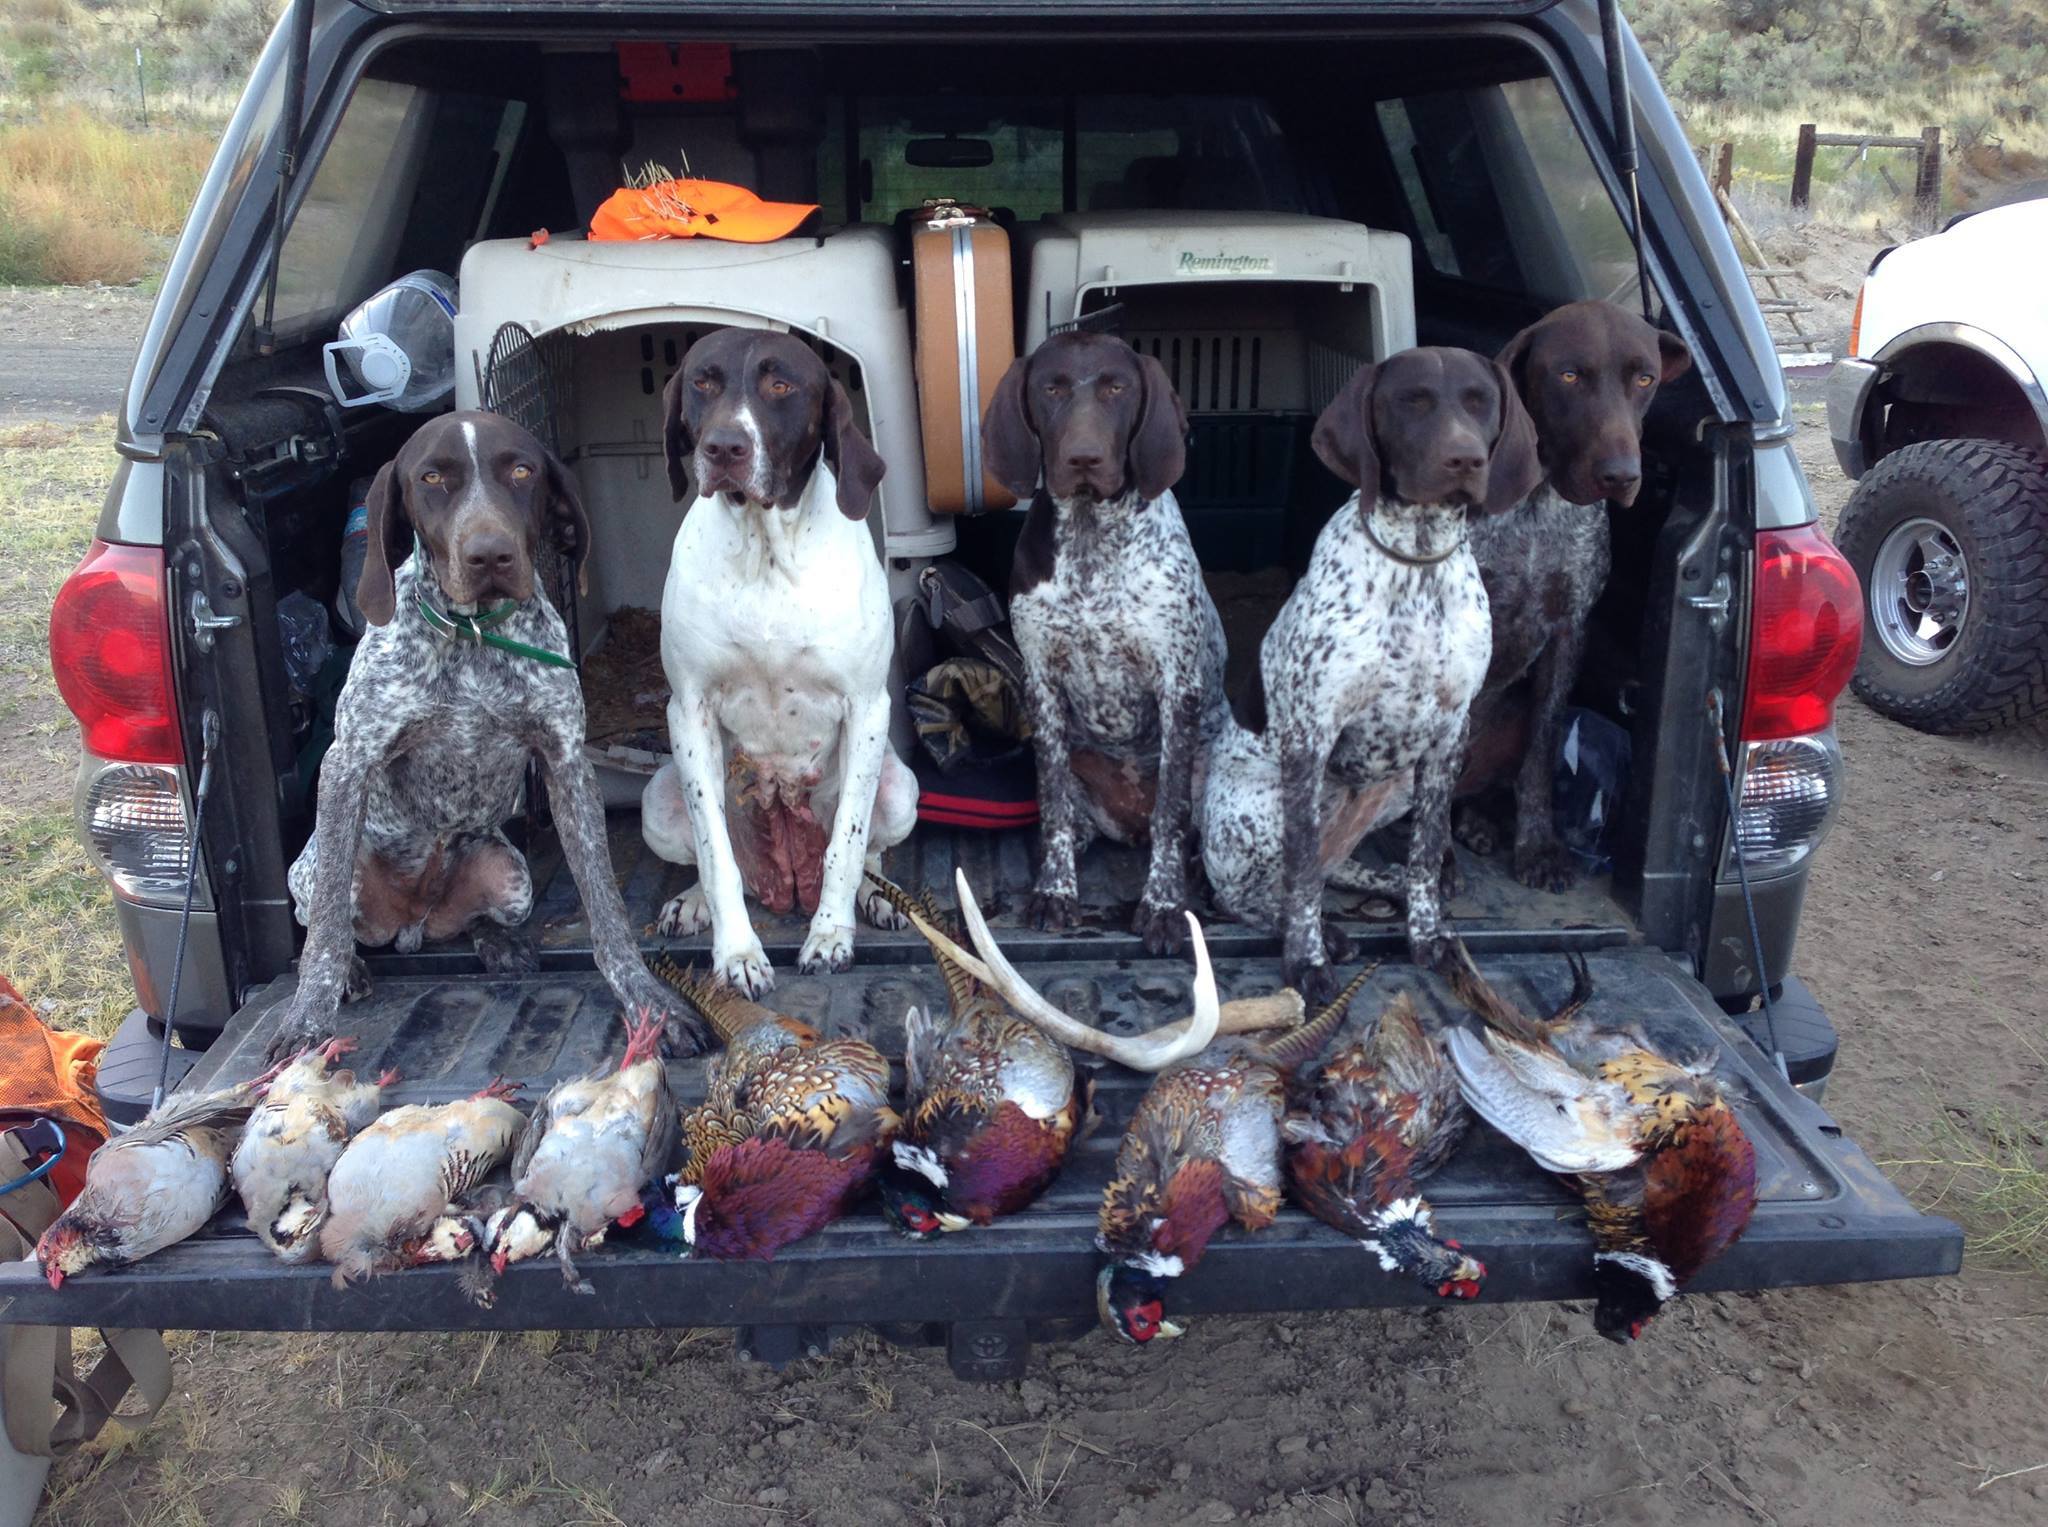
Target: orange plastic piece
{"points": [[687, 209]]}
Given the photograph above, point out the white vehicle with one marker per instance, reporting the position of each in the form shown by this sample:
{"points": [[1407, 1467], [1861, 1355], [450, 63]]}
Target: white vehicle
{"points": [[1941, 414]]}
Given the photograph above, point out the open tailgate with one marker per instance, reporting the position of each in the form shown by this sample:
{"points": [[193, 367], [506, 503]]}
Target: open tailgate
{"points": [[1826, 1215]]}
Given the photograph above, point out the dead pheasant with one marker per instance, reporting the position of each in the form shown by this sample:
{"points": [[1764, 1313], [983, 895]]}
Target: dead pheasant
{"points": [[280, 1168], [1202, 1149], [1379, 1115], [991, 1103], [790, 1130], [1653, 1147], [589, 1148], [392, 1198], [150, 1188]]}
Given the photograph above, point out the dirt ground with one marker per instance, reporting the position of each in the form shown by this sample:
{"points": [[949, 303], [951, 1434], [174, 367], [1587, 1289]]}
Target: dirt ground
{"points": [[69, 350], [1911, 1403]]}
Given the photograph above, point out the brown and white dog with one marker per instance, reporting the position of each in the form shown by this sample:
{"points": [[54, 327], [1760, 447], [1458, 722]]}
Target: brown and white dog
{"points": [[434, 729], [1586, 372], [1123, 649], [776, 636], [1358, 704]]}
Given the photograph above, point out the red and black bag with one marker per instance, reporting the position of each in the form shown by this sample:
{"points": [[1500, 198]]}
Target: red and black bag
{"points": [[965, 694]]}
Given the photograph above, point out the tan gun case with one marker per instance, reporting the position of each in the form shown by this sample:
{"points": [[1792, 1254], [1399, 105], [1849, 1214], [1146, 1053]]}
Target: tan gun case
{"points": [[966, 339]]}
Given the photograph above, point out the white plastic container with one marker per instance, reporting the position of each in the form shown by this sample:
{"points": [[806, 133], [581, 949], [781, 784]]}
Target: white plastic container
{"points": [[397, 347]]}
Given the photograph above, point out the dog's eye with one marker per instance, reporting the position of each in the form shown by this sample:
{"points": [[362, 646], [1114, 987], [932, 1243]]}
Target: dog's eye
{"points": [[521, 472], [1644, 379], [431, 479], [703, 384], [778, 388], [1567, 376], [1112, 388]]}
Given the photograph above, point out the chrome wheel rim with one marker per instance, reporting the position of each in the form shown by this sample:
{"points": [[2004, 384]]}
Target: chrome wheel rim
{"points": [[1919, 592]]}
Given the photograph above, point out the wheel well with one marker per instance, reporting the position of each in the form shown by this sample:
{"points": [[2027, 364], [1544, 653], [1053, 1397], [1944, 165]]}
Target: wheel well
{"points": [[1942, 391]]}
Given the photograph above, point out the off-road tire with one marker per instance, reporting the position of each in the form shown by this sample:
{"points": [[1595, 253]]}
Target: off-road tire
{"points": [[1992, 499]]}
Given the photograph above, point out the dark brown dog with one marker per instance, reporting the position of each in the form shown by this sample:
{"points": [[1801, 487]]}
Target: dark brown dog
{"points": [[1586, 373], [1123, 649]]}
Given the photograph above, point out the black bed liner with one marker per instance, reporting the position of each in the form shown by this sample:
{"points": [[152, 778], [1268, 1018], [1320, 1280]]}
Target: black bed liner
{"points": [[1826, 1214]]}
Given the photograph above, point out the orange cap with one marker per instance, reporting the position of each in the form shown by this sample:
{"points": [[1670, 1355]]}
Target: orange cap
{"points": [[685, 209]]}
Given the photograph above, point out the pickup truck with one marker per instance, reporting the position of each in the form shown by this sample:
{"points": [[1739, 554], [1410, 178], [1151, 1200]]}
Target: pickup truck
{"points": [[1940, 412], [1261, 194]]}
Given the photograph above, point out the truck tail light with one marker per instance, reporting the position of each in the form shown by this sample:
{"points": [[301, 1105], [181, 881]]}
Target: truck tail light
{"points": [[1855, 324], [110, 649], [1806, 627], [1786, 797], [133, 819]]}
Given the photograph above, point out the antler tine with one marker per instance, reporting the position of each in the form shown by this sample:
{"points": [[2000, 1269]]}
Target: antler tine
{"points": [[1155, 1051]]}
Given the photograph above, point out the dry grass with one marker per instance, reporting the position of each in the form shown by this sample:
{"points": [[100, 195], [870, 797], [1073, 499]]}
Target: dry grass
{"points": [[83, 199], [58, 938], [1991, 1172]]}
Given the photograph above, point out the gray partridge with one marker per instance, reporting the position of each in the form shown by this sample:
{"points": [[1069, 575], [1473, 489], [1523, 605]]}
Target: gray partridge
{"points": [[294, 1137], [390, 1198], [589, 1148]]}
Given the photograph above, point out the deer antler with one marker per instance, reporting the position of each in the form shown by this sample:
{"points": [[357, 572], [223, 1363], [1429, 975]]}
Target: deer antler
{"points": [[1153, 1051]]}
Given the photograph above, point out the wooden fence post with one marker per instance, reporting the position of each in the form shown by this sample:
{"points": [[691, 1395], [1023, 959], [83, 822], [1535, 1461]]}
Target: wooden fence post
{"points": [[1802, 167], [1723, 174], [1927, 184]]}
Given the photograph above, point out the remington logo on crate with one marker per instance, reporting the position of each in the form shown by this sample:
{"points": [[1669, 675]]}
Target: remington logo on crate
{"points": [[1192, 264]]}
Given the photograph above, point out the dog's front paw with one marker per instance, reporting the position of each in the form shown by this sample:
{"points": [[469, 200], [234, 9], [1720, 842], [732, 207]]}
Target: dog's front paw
{"points": [[1163, 929], [745, 968], [356, 984], [298, 1032], [1316, 981], [1430, 948], [829, 948], [1546, 866], [507, 951], [876, 910], [1053, 910], [683, 1027], [1474, 828], [684, 915]]}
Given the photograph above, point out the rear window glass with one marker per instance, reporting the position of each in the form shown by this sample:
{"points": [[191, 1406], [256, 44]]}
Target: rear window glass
{"points": [[1501, 191], [1030, 156]]}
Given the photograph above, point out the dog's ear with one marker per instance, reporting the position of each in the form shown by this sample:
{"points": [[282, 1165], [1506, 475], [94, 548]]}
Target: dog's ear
{"points": [[567, 521], [853, 461], [1009, 445], [1514, 355], [1676, 357], [676, 441], [1343, 435], [1159, 440], [389, 543], [1513, 468]]}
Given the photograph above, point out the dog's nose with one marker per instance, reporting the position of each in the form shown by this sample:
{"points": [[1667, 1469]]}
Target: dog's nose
{"points": [[1085, 458], [489, 552], [1618, 476], [1463, 460], [726, 449]]}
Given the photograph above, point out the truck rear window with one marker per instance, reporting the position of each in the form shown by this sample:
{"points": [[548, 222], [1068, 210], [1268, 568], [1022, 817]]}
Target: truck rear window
{"points": [[1030, 156]]}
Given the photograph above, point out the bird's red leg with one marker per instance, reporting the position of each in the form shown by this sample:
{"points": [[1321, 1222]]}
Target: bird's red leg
{"points": [[499, 1088], [643, 1038], [388, 1077], [335, 1048]]}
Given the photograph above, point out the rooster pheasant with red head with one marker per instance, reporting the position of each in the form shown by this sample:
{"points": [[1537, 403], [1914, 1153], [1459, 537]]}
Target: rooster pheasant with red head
{"points": [[1381, 1114], [1202, 1149], [1651, 1144], [789, 1132], [991, 1102]]}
